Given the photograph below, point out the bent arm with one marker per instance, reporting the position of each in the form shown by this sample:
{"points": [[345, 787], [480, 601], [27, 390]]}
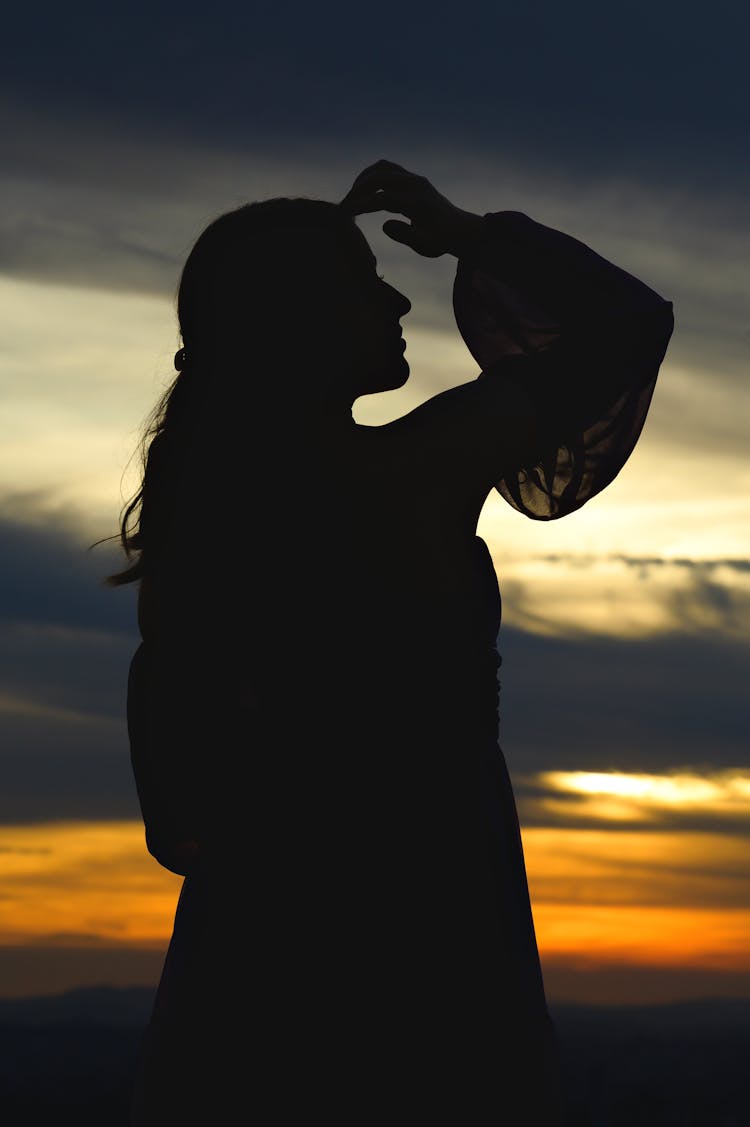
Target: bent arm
{"points": [[161, 747], [474, 433], [570, 346]]}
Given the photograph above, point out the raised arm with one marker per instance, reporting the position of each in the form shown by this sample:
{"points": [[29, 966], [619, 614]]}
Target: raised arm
{"points": [[584, 339], [569, 345]]}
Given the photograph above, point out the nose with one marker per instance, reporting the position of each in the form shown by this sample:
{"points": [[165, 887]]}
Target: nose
{"points": [[402, 302]]}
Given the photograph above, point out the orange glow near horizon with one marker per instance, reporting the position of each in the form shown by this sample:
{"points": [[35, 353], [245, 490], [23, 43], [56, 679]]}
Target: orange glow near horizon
{"points": [[83, 883], [669, 899], [644, 936], [600, 897]]}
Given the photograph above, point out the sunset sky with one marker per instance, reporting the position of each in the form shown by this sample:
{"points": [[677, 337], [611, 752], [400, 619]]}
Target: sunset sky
{"points": [[625, 717]]}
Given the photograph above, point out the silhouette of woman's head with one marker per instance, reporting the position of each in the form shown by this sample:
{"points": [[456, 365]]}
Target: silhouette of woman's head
{"points": [[288, 288], [284, 320]]}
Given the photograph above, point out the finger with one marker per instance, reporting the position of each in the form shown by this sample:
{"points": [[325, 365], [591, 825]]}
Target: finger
{"points": [[378, 201], [384, 179], [406, 234], [384, 174], [382, 167], [401, 232]]}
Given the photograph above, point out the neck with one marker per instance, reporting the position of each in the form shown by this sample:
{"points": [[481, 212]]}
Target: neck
{"points": [[329, 415]]}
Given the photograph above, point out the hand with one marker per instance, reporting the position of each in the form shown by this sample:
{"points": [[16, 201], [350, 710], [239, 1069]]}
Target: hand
{"points": [[437, 226], [184, 857], [180, 857]]}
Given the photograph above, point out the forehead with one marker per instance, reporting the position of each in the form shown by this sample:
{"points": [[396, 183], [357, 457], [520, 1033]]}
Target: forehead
{"points": [[344, 248], [361, 248]]}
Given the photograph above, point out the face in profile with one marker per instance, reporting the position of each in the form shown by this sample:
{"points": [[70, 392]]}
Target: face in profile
{"points": [[370, 345], [306, 298], [355, 323]]}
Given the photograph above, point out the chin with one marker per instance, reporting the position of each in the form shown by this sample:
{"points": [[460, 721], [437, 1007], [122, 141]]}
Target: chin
{"points": [[404, 376], [391, 380]]}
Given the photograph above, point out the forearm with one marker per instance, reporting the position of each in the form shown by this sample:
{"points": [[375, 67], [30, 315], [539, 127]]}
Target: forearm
{"points": [[469, 235], [553, 270], [160, 756]]}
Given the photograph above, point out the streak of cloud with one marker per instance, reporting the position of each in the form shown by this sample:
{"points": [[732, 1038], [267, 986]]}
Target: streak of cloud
{"points": [[628, 596], [677, 801]]}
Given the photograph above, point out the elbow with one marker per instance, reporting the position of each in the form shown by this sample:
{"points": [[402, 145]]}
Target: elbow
{"points": [[180, 857], [525, 429], [650, 333], [667, 324]]}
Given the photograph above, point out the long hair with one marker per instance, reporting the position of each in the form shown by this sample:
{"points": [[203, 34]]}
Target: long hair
{"points": [[247, 279]]}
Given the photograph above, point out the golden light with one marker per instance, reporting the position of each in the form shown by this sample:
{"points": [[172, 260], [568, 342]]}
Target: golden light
{"points": [[654, 788], [570, 588], [603, 897], [668, 937], [83, 882], [612, 795], [645, 898]]}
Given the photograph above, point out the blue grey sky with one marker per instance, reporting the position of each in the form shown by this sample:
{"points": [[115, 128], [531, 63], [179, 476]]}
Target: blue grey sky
{"points": [[124, 133], [126, 130]]}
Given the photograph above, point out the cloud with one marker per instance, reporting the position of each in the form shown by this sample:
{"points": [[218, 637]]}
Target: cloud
{"points": [[92, 205], [643, 564], [644, 705], [68, 883], [85, 208], [601, 866], [65, 645], [85, 362], [569, 701], [112, 214], [59, 764], [678, 800], [626, 596], [644, 90], [82, 370], [48, 575]]}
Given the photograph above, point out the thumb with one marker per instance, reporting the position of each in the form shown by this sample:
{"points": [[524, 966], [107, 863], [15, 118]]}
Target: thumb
{"points": [[405, 233]]}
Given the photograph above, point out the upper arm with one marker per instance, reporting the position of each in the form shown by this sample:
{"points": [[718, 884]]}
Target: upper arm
{"points": [[472, 434]]}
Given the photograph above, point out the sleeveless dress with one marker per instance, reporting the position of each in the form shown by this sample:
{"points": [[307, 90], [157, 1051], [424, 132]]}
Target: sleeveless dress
{"points": [[317, 706]]}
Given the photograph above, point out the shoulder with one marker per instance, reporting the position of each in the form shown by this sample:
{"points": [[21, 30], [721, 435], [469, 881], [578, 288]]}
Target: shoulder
{"points": [[470, 432]]}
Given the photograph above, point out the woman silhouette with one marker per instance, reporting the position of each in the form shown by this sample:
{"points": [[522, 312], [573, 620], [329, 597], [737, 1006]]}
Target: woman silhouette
{"points": [[313, 710]]}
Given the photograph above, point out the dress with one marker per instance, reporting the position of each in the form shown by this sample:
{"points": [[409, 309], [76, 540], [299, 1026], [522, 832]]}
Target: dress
{"points": [[356, 940]]}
